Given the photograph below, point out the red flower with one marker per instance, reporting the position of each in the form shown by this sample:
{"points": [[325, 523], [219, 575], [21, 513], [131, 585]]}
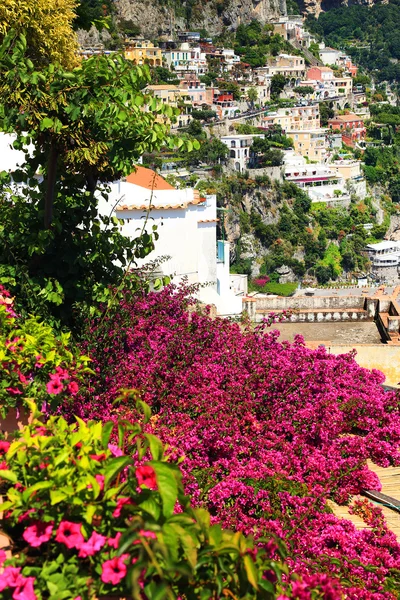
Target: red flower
{"points": [[146, 476], [112, 571], [70, 534], [4, 446], [55, 385], [38, 533], [120, 503]]}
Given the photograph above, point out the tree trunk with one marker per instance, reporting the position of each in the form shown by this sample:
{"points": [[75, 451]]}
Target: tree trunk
{"points": [[50, 188]]}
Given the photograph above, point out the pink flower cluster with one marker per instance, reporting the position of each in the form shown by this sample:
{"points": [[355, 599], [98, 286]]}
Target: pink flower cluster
{"points": [[246, 411], [13, 581]]}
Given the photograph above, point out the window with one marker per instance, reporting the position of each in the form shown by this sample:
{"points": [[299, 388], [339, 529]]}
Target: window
{"points": [[233, 154], [233, 144]]}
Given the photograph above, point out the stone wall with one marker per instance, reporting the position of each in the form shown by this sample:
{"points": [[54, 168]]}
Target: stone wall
{"points": [[279, 303]]}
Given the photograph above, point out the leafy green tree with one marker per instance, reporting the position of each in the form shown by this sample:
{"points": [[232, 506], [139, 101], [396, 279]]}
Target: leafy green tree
{"points": [[252, 96], [162, 75], [278, 82], [88, 127], [326, 112]]}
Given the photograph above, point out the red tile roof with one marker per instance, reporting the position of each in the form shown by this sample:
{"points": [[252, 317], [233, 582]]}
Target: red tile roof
{"points": [[146, 178]]}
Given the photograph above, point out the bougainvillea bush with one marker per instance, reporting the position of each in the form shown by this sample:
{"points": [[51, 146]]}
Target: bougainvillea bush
{"points": [[86, 519], [267, 431], [35, 361]]}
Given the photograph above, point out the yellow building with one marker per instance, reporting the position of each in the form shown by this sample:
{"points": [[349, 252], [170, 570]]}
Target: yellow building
{"points": [[310, 144], [142, 52], [175, 97]]}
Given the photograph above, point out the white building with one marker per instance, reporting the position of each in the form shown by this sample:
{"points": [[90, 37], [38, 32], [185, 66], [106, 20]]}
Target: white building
{"points": [[322, 183], [230, 59], [329, 56], [385, 261], [239, 149], [187, 228], [186, 59]]}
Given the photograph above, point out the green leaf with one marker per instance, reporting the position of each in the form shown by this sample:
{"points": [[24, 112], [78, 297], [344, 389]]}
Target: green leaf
{"points": [[57, 496], [156, 446], [8, 475], [167, 486], [251, 570], [46, 123], [115, 466]]}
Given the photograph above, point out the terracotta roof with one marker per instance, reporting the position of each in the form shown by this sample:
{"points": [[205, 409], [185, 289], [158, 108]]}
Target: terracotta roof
{"points": [[209, 221], [146, 178], [144, 207], [346, 118]]}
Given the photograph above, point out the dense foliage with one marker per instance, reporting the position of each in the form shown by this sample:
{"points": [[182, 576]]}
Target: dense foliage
{"points": [[268, 432], [369, 33], [90, 516], [88, 127]]}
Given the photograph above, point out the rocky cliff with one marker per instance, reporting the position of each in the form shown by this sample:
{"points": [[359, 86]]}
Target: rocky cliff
{"points": [[159, 17]]}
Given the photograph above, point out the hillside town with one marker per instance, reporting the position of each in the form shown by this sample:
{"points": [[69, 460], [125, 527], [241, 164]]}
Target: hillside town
{"points": [[307, 100], [199, 300]]}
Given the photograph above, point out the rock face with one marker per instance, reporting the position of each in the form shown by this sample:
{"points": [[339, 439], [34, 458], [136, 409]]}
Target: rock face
{"points": [[315, 7], [155, 17]]}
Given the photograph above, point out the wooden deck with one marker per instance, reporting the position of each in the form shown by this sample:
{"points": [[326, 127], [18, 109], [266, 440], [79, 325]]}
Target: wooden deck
{"points": [[390, 480]]}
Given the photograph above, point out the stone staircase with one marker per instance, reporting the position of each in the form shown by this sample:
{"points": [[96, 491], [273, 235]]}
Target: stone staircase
{"points": [[314, 62]]}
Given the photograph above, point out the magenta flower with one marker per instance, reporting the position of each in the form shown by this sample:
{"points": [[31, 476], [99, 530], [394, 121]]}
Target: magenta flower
{"points": [[145, 534], [100, 481], [25, 591], [11, 577], [4, 446], [120, 504], [112, 571], [55, 385], [38, 533], [73, 388], [113, 542], [115, 450], [70, 534], [92, 546], [146, 476]]}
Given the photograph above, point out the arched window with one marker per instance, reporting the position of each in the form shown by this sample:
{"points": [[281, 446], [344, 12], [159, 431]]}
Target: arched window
{"points": [[233, 154], [233, 144]]}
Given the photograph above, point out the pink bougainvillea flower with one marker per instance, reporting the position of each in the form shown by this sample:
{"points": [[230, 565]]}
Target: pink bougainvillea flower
{"points": [[38, 533], [25, 591], [121, 502], [112, 571], [70, 534], [55, 385], [4, 446], [113, 542], [146, 476], [115, 450], [92, 546], [73, 388]]}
